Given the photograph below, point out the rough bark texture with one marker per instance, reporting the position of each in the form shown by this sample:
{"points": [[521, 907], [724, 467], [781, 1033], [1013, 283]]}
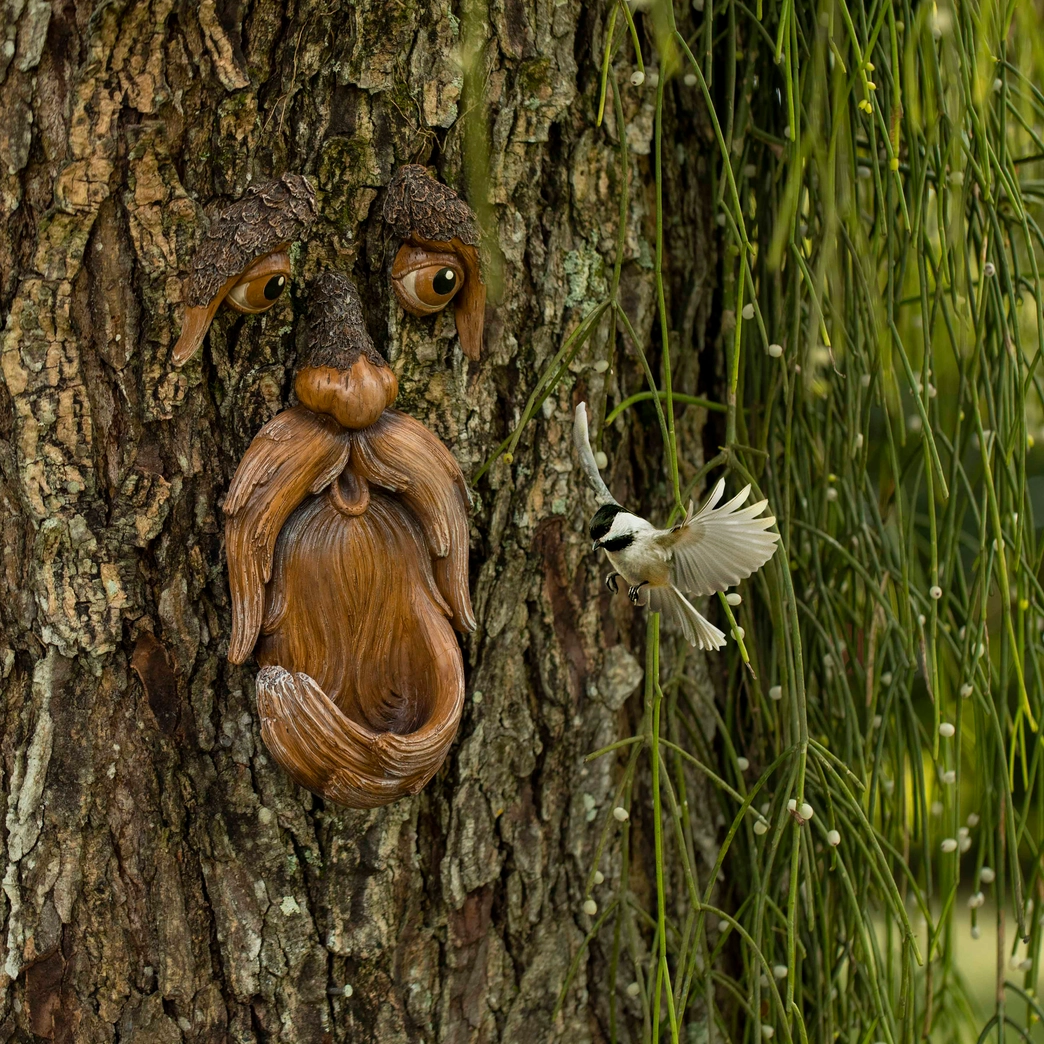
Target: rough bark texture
{"points": [[163, 879]]}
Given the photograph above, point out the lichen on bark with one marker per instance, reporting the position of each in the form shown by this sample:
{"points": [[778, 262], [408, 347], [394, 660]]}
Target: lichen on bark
{"points": [[163, 880]]}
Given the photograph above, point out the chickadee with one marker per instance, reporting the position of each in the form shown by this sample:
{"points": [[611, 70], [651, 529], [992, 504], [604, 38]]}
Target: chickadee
{"points": [[707, 552]]}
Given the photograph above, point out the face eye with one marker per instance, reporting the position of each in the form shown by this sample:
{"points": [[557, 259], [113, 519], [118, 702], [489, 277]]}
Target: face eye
{"points": [[258, 294], [425, 281], [261, 284], [432, 287]]}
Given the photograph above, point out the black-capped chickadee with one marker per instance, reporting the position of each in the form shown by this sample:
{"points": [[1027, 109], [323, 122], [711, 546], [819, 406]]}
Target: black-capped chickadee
{"points": [[709, 551]]}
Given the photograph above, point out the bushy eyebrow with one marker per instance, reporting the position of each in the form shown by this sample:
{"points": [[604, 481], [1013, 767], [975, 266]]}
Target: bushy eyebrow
{"points": [[271, 214]]}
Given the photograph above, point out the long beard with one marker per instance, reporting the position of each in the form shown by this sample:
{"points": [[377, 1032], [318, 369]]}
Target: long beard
{"points": [[348, 566]]}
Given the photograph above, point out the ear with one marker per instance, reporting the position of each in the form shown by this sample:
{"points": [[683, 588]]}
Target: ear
{"points": [[243, 257]]}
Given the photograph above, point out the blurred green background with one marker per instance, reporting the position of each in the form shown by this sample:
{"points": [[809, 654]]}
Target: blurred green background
{"points": [[876, 169]]}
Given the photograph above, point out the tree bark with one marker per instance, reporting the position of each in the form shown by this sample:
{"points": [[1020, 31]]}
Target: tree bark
{"points": [[164, 881]]}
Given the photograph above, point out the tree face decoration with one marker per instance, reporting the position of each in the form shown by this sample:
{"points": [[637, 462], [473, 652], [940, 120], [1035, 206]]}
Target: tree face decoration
{"points": [[439, 260], [347, 540], [242, 260], [346, 531]]}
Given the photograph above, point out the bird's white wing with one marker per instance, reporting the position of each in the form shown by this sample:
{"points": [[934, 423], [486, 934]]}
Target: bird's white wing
{"points": [[720, 546]]}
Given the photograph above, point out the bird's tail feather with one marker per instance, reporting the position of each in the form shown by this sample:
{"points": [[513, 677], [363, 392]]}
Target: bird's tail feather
{"points": [[675, 607]]}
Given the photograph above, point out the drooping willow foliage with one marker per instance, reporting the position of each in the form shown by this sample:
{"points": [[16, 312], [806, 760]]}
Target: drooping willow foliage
{"points": [[879, 171]]}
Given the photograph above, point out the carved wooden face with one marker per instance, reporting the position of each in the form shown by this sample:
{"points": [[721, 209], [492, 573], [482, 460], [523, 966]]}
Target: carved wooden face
{"points": [[346, 522], [347, 539]]}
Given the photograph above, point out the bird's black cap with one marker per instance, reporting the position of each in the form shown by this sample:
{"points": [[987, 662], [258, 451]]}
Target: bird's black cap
{"points": [[603, 520]]}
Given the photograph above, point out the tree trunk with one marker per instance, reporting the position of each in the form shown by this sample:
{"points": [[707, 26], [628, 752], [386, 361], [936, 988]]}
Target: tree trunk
{"points": [[164, 880]]}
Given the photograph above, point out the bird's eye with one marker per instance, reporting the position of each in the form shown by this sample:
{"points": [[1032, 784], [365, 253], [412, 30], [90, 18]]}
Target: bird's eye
{"points": [[425, 281], [261, 284]]}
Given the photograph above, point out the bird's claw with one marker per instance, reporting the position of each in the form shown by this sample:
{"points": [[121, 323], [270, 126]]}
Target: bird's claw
{"points": [[635, 593], [610, 582]]}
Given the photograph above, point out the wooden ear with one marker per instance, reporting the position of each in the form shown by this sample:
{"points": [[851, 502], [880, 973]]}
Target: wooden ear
{"points": [[420, 262], [469, 305], [196, 323], [245, 292]]}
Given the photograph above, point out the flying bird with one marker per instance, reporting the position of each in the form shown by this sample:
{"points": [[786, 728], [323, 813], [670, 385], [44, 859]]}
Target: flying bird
{"points": [[708, 551]]}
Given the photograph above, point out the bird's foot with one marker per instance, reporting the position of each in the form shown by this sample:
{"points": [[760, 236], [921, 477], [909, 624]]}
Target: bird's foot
{"points": [[635, 592], [610, 582]]}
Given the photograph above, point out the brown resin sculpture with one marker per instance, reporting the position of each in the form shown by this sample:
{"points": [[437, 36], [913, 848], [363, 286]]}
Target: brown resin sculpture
{"points": [[347, 540], [242, 260], [439, 259]]}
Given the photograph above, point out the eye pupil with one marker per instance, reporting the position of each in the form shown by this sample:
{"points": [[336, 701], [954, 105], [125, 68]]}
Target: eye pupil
{"points": [[445, 281], [274, 287]]}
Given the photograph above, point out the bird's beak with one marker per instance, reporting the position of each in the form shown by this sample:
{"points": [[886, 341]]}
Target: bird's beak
{"points": [[596, 545]]}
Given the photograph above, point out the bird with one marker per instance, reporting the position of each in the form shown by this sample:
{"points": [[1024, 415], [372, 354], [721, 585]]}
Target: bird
{"points": [[710, 550]]}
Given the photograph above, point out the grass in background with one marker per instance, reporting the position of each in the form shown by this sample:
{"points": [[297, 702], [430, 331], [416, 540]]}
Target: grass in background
{"points": [[880, 769]]}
